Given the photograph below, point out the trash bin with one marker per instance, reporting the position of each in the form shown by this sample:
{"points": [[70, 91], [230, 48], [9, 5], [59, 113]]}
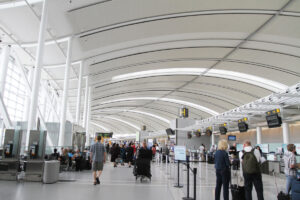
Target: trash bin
{"points": [[51, 171]]}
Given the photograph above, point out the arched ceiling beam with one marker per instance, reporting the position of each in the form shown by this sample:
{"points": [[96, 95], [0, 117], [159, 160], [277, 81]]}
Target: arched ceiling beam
{"points": [[113, 127], [136, 111], [186, 103], [196, 59], [146, 107], [17, 3], [199, 83], [100, 126], [158, 18], [150, 123], [242, 77], [124, 122], [221, 98]]}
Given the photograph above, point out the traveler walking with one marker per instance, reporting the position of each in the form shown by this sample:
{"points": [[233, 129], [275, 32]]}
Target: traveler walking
{"points": [[98, 155], [222, 165], [251, 170]]}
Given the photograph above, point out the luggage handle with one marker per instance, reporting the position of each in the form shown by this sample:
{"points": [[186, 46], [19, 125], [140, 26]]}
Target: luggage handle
{"points": [[237, 176], [273, 172]]}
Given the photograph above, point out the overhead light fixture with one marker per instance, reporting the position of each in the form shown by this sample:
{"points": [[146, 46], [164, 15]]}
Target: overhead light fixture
{"points": [[181, 102], [232, 75]]}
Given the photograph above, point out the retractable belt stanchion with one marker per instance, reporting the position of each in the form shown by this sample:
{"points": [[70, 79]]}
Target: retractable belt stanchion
{"points": [[195, 179], [188, 181], [178, 185]]}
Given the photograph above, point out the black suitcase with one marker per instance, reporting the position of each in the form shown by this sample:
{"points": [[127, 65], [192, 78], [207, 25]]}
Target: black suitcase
{"points": [[237, 192], [283, 196]]}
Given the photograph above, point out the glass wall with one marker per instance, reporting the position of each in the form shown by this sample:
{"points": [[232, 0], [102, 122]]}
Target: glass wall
{"points": [[14, 93]]}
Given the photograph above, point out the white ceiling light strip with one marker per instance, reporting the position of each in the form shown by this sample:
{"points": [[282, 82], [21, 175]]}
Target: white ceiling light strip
{"points": [[139, 112], [123, 121], [238, 76], [14, 4], [100, 126], [193, 105]]}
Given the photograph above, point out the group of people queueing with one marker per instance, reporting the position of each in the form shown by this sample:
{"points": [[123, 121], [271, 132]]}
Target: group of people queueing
{"points": [[250, 159]]}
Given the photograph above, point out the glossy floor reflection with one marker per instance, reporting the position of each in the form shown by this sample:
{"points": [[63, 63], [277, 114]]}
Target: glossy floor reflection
{"points": [[116, 184], [206, 179], [120, 184]]}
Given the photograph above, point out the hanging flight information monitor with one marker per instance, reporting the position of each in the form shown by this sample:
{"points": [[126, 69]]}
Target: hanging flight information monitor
{"points": [[273, 119], [243, 126]]}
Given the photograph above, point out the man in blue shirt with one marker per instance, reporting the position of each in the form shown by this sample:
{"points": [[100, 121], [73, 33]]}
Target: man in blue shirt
{"points": [[98, 155]]}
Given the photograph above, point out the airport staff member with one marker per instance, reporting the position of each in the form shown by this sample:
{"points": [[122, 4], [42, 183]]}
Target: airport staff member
{"points": [[98, 155]]}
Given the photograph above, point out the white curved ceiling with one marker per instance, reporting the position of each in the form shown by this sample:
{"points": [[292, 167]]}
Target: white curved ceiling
{"points": [[211, 56]]}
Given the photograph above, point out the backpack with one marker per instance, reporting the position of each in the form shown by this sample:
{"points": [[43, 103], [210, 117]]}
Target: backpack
{"points": [[250, 163]]}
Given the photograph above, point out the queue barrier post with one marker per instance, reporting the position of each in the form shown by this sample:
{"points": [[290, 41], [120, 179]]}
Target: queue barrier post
{"points": [[178, 173]]}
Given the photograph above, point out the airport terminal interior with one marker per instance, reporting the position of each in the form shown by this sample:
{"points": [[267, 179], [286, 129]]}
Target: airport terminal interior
{"points": [[179, 94]]}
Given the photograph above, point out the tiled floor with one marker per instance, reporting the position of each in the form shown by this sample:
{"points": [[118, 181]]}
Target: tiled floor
{"points": [[120, 184]]}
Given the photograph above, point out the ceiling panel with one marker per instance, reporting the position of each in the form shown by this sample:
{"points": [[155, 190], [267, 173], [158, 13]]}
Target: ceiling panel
{"points": [[281, 75], [210, 23], [113, 12]]}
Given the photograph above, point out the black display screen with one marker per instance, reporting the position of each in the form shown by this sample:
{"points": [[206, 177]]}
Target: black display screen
{"points": [[273, 120], [243, 127], [223, 130], [170, 131], [208, 132], [105, 135]]}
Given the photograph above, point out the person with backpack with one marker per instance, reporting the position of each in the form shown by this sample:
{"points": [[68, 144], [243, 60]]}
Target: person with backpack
{"points": [[251, 171], [222, 165], [290, 169]]}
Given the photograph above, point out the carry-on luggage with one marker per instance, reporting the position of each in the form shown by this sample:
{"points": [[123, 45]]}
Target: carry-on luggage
{"points": [[237, 192], [142, 169], [280, 195]]}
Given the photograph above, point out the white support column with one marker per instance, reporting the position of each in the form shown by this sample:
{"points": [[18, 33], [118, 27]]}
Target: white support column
{"points": [[212, 139], [27, 102], [86, 100], [44, 105], [286, 133], [88, 118], [79, 94], [258, 135], [37, 71], [4, 66], [61, 141], [4, 113]]}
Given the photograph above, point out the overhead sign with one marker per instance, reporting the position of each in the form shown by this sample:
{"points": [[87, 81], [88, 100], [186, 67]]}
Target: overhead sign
{"points": [[184, 113], [180, 153], [105, 135]]}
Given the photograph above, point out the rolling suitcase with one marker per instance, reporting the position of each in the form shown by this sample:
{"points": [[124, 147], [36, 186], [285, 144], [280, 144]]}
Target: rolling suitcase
{"points": [[237, 192], [280, 195]]}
